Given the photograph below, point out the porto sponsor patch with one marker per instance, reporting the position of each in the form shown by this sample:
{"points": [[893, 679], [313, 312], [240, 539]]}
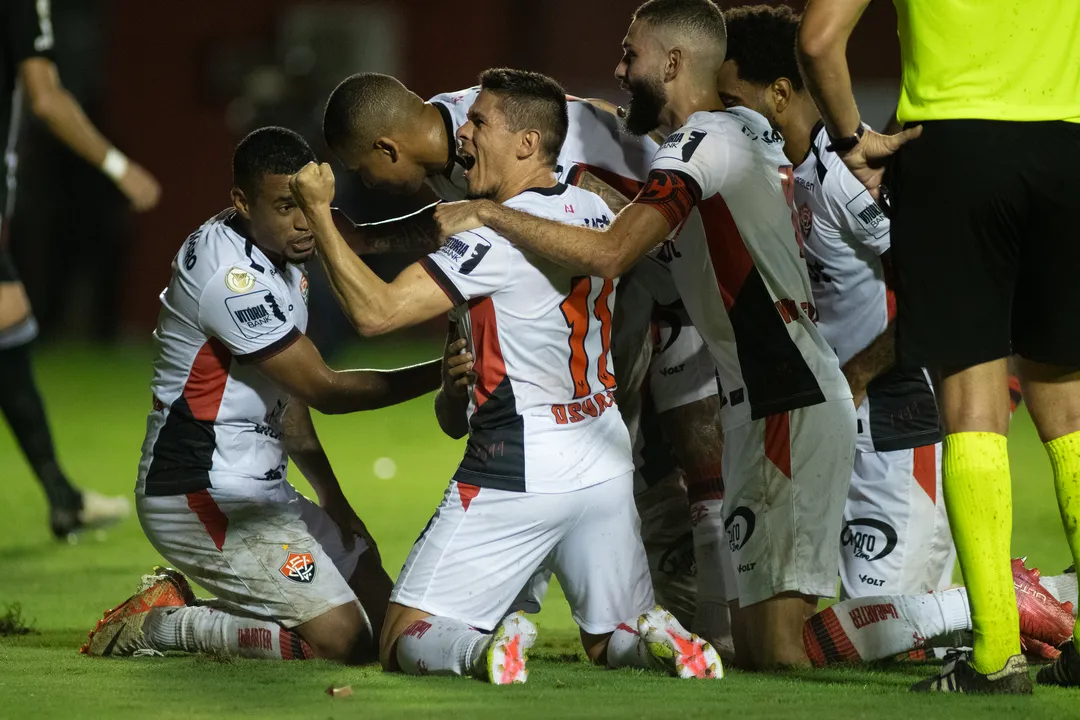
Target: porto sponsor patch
{"points": [[740, 527], [868, 539], [299, 567], [256, 314], [867, 213]]}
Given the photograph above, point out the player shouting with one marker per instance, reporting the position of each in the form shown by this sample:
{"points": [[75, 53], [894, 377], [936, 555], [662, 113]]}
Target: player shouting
{"points": [[546, 477]]}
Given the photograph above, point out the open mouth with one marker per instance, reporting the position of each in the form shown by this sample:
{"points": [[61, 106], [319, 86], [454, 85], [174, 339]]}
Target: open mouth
{"points": [[467, 160], [304, 244]]}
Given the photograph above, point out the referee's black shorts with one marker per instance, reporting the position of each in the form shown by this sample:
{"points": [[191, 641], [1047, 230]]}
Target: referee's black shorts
{"points": [[8, 273], [986, 243]]}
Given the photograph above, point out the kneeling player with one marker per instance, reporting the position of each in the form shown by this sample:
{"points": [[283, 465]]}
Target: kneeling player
{"points": [[546, 478], [233, 380]]}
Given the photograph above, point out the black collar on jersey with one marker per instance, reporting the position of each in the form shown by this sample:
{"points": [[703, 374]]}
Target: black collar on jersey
{"points": [[556, 189], [234, 223], [451, 141], [819, 127]]}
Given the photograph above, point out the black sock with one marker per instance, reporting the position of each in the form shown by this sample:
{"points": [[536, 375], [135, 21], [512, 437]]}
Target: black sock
{"points": [[21, 405]]}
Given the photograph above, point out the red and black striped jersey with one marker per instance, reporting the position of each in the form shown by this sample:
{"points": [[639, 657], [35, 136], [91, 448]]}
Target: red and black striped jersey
{"points": [[216, 421]]}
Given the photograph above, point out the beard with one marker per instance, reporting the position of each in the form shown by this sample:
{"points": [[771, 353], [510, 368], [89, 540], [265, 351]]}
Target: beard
{"points": [[647, 100]]}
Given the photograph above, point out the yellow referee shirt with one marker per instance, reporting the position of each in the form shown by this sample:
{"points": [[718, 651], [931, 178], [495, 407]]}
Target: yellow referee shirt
{"points": [[989, 59]]}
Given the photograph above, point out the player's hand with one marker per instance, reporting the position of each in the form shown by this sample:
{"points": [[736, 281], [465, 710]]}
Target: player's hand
{"points": [[140, 187], [313, 186], [349, 524], [455, 217], [866, 161], [457, 368]]}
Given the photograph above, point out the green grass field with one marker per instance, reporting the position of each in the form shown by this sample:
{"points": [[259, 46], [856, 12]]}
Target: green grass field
{"points": [[98, 401]]}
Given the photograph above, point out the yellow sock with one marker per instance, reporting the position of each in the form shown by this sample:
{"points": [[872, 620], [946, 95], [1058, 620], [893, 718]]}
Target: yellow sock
{"points": [[978, 497], [1065, 460]]}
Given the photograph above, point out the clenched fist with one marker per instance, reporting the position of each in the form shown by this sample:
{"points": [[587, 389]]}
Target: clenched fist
{"points": [[313, 185]]}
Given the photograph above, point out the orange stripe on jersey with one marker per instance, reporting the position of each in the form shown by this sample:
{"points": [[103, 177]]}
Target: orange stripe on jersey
{"points": [[603, 314], [778, 442], [205, 385], [731, 260], [575, 308], [672, 193], [890, 303], [627, 187], [210, 515], [488, 361], [926, 470]]}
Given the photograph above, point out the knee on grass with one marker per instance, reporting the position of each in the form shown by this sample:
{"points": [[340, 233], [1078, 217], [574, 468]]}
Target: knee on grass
{"points": [[342, 634]]}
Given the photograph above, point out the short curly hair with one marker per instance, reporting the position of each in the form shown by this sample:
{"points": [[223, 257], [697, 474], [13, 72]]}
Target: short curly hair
{"points": [[761, 41]]}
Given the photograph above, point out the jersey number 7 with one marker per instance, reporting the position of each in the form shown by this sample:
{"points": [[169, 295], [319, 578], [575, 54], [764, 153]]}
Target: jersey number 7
{"points": [[575, 309]]}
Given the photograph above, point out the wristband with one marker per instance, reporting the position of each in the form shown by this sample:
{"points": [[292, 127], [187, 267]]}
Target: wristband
{"points": [[115, 164]]}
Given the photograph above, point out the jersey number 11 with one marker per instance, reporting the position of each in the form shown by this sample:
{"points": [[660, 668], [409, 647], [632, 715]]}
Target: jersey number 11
{"points": [[575, 308]]}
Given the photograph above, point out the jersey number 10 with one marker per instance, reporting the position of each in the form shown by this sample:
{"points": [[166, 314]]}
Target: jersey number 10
{"points": [[575, 309]]}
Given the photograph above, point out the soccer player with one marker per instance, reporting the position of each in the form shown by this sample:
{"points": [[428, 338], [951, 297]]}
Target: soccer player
{"points": [[881, 627], [895, 538], [396, 141], [546, 477], [28, 75], [982, 196], [233, 380], [719, 198]]}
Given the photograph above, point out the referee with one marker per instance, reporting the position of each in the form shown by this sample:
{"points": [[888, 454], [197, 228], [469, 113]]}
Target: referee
{"points": [[28, 76], [983, 186]]}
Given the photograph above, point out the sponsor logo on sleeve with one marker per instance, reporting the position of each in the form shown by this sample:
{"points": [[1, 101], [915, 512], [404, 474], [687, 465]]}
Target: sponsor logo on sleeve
{"points": [[867, 213], [464, 254], [681, 144], [239, 280], [256, 314]]}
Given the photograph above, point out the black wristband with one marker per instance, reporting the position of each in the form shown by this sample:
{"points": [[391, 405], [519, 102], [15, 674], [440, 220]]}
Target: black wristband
{"points": [[841, 145]]}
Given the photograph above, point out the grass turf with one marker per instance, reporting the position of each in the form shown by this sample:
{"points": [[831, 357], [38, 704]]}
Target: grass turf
{"points": [[98, 399]]}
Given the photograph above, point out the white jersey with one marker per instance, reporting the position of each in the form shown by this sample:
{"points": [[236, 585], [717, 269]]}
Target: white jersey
{"points": [[845, 234], [216, 422], [724, 185], [542, 414]]}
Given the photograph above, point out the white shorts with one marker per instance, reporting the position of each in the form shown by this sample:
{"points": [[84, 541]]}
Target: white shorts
{"points": [[682, 370], [786, 479], [896, 539], [279, 556], [483, 545]]}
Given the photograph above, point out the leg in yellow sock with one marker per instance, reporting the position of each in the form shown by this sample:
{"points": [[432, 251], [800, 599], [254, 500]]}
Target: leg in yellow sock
{"points": [[1064, 455], [978, 497]]}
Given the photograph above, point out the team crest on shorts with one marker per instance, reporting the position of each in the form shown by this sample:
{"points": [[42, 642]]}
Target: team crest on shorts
{"points": [[299, 567], [806, 219]]}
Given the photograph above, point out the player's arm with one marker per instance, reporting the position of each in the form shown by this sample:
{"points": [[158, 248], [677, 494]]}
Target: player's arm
{"points": [[375, 307], [62, 114], [416, 232], [306, 451], [639, 227], [873, 360], [822, 50], [452, 400], [300, 371], [587, 181]]}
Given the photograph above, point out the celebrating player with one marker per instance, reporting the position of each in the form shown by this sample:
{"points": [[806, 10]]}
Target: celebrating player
{"points": [[546, 477], [896, 534], [233, 380], [28, 73], [396, 141], [719, 192]]}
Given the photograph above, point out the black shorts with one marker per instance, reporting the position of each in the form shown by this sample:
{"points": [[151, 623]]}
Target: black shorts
{"points": [[985, 243]]}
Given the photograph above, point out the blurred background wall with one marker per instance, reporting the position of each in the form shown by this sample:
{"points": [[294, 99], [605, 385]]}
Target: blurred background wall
{"points": [[176, 85]]}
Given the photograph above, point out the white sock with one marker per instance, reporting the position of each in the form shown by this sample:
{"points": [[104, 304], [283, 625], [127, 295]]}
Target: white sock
{"points": [[442, 646], [1063, 587], [627, 649], [715, 573], [203, 629], [874, 628]]}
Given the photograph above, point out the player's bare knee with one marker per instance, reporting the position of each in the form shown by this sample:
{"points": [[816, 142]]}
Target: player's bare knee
{"points": [[398, 619], [595, 647], [342, 634]]}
